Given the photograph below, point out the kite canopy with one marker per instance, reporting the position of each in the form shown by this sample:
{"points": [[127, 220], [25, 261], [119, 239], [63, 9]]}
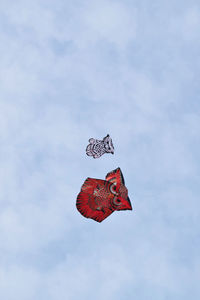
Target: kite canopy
{"points": [[97, 148], [100, 198]]}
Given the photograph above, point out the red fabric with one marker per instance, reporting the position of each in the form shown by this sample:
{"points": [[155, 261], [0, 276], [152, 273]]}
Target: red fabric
{"points": [[99, 198]]}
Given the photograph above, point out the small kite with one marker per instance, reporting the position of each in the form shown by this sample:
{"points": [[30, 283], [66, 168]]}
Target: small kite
{"points": [[100, 198], [97, 148]]}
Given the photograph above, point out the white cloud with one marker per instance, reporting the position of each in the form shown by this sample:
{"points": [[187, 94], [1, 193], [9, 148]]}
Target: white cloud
{"points": [[18, 282], [111, 21], [187, 24]]}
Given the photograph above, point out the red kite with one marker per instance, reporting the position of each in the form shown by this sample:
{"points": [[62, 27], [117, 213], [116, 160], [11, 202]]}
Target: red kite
{"points": [[100, 198]]}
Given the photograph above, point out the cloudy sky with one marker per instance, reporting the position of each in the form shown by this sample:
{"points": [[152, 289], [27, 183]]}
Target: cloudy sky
{"points": [[71, 70]]}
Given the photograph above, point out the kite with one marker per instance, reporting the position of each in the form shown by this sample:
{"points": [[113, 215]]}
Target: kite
{"points": [[100, 198], [97, 148]]}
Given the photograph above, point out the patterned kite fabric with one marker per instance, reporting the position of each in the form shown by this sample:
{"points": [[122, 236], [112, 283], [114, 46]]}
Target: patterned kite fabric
{"points": [[97, 148], [99, 198]]}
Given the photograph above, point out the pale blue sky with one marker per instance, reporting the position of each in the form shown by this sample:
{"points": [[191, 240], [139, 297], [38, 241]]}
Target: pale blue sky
{"points": [[71, 70]]}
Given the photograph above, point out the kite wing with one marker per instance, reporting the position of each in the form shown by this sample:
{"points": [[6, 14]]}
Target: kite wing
{"points": [[116, 177], [86, 205], [92, 201]]}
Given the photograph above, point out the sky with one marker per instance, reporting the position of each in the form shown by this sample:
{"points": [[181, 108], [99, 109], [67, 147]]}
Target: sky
{"points": [[72, 70]]}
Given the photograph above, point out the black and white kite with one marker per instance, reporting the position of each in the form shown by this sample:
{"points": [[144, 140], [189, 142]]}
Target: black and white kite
{"points": [[97, 148]]}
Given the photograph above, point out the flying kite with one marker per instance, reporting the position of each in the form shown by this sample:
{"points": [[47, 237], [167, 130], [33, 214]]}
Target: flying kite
{"points": [[100, 198], [97, 148]]}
